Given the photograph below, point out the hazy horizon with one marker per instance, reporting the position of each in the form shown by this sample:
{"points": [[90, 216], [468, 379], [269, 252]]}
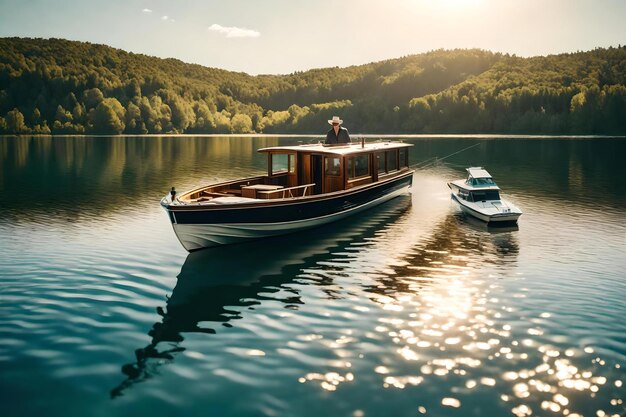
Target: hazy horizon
{"points": [[279, 37]]}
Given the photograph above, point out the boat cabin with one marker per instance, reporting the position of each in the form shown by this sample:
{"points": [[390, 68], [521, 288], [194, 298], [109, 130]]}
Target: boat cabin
{"points": [[304, 170], [335, 168], [478, 187], [479, 177]]}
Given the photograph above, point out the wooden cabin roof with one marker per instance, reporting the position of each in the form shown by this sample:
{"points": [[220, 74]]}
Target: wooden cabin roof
{"points": [[347, 149]]}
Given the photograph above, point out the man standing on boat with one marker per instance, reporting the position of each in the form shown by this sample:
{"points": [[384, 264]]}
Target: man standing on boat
{"points": [[337, 134]]}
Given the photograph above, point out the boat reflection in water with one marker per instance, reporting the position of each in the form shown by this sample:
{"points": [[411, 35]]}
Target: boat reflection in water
{"points": [[244, 275], [453, 247]]}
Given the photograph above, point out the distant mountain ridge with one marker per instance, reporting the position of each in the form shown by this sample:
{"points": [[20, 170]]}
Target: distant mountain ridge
{"points": [[69, 87]]}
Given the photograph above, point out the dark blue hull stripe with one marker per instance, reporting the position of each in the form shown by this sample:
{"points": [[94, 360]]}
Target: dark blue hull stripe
{"points": [[290, 210]]}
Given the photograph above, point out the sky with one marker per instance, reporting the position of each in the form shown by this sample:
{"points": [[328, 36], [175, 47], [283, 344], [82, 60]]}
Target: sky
{"points": [[284, 36]]}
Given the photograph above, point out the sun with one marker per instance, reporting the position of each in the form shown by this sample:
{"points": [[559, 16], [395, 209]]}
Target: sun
{"points": [[448, 5], [458, 4]]}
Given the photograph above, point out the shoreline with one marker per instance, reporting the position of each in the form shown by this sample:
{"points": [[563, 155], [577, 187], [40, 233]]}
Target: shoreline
{"points": [[354, 136]]}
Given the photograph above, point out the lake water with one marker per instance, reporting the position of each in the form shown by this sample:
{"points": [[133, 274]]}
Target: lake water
{"points": [[408, 309]]}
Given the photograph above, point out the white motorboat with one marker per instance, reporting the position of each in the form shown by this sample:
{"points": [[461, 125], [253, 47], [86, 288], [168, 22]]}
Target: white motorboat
{"points": [[479, 196]]}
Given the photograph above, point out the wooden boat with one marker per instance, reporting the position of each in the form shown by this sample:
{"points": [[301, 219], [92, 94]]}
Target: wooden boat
{"points": [[305, 186], [479, 196]]}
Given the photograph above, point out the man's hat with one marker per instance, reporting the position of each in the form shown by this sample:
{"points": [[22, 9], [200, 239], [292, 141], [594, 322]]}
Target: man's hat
{"points": [[335, 119]]}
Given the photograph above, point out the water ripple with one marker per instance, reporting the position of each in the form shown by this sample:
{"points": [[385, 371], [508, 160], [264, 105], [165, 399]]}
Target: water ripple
{"points": [[410, 309]]}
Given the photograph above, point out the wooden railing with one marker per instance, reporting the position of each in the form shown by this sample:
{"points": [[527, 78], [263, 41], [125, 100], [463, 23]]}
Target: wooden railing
{"points": [[289, 192]]}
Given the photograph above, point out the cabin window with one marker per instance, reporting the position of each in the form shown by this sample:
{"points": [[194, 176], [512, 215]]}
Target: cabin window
{"points": [[358, 166], [380, 158], [480, 181], [282, 162], [392, 160], [292, 163], [403, 156], [331, 166], [487, 195]]}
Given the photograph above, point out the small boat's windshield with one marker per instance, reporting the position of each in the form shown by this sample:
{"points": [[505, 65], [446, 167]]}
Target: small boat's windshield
{"points": [[480, 182], [487, 195]]}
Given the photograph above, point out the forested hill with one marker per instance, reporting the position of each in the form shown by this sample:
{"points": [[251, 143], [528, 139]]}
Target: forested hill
{"points": [[60, 86]]}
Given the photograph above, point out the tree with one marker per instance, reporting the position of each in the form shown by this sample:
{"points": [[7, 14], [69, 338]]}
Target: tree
{"points": [[44, 129], [35, 117], [163, 113], [149, 116], [107, 117], [15, 122], [134, 124], [205, 122], [133, 88], [439, 91], [92, 97], [296, 113], [241, 123], [222, 122], [182, 114], [63, 115], [78, 113]]}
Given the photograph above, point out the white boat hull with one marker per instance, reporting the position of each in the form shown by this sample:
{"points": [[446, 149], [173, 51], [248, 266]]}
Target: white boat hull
{"points": [[198, 236], [499, 211]]}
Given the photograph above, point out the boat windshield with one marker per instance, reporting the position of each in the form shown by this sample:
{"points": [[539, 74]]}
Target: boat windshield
{"points": [[487, 195], [480, 182]]}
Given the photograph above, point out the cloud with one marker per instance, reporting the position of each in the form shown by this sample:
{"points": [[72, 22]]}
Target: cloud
{"points": [[147, 11], [234, 32], [164, 17]]}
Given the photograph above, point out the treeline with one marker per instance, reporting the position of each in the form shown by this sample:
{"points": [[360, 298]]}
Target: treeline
{"points": [[65, 87]]}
